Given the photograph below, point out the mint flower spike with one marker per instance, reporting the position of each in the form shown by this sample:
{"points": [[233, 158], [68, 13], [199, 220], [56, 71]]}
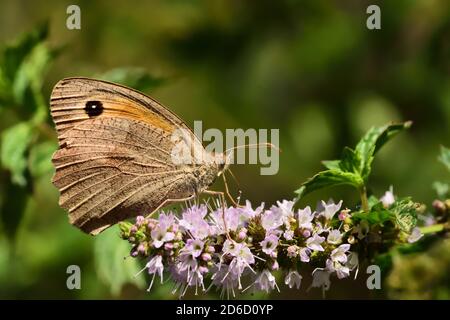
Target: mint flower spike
{"points": [[194, 247]]}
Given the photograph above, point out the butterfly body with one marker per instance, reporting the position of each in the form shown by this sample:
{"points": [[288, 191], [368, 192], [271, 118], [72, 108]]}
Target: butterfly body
{"points": [[118, 155]]}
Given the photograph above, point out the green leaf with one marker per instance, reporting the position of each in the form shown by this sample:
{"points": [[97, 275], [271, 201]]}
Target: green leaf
{"points": [[332, 164], [30, 74], [441, 189], [113, 262], [136, 78], [373, 201], [351, 161], [373, 140], [41, 158], [13, 206], [375, 216], [445, 157], [14, 148], [15, 54], [405, 211], [329, 178]]}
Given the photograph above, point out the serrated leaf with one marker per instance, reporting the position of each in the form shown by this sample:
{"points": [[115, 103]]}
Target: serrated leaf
{"points": [[405, 211], [329, 178], [136, 78], [14, 147], [373, 140], [113, 263], [40, 158], [375, 216], [350, 161], [445, 157]]}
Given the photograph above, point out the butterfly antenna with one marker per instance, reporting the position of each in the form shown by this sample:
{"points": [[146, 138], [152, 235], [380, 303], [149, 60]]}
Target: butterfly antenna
{"points": [[234, 178], [254, 145]]}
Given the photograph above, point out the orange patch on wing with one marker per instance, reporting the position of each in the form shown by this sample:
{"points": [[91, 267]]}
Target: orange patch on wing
{"points": [[120, 107]]}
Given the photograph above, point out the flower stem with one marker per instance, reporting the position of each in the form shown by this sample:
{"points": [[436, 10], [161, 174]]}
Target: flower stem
{"points": [[364, 201], [433, 228]]}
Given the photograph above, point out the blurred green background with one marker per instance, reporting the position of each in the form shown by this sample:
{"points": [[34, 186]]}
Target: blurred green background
{"points": [[310, 68]]}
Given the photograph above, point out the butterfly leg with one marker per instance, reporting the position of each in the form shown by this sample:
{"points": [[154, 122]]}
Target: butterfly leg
{"points": [[227, 191], [167, 201], [222, 198]]}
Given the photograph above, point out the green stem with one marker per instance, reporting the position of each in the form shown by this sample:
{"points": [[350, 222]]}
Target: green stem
{"points": [[433, 228], [364, 201]]}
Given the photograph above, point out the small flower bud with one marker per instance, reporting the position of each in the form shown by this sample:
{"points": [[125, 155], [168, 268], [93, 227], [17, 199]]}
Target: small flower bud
{"points": [[242, 235], [141, 248], [292, 251], [306, 233], [206, 257], [133, 229], [343, 214], [125, 228], [139, 220], [351, 239], [347, 227], [168, 246], [176, 245], [202, 269], [439, 207], [210, 249]]}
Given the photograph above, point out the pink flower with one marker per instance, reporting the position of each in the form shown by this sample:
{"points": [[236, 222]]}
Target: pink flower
{"points": [[193, 221], [314, 242], [269, 244], [330, 209], [305, 216], [265, 281], [388, 198], [293, 278], [194, 247]]}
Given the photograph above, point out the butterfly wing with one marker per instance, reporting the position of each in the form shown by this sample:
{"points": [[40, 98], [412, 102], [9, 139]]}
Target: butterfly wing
{"points": [[115, 160], [69, 97]]}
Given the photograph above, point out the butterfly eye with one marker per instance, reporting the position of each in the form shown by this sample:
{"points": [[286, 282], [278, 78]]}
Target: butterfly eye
{"points": [[93, 108]]}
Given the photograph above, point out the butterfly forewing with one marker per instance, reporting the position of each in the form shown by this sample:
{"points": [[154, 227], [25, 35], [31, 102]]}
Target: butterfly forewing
{"points": [[115, 159]]}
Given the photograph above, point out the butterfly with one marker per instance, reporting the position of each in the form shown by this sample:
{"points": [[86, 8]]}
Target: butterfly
{"points": [[123, 154]]}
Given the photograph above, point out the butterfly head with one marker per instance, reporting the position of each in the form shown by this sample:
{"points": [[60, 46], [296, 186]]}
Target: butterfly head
{"points": [[222, 161]]}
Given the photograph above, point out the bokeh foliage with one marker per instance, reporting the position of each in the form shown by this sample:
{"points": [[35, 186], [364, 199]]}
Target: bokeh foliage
{"points": [[310, 68]]}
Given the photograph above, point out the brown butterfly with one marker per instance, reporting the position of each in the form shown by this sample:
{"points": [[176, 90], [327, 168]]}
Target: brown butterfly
{"points": [[118, 155]]}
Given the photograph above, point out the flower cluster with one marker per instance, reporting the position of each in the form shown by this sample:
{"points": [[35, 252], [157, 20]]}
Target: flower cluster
{"points": [[236, 249], [242, 248]]}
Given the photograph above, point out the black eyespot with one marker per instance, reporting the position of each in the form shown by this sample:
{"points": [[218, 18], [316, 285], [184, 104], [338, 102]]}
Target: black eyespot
{"points": [[93, 108]]}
